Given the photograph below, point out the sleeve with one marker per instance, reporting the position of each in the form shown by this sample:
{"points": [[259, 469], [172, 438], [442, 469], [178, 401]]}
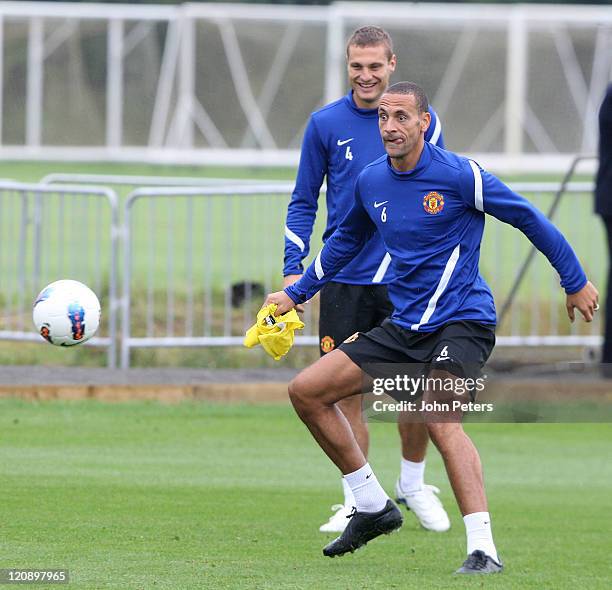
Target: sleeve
{"points": [[434, 134], [302, 208], [340, 248], [485, 192]]}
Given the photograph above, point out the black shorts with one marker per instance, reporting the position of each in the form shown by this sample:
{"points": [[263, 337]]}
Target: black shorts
{"points": [[347, 309], [461, 348]]}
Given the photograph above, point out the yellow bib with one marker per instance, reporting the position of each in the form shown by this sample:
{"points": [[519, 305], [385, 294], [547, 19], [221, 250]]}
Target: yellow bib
{"points": [[275, 334]]}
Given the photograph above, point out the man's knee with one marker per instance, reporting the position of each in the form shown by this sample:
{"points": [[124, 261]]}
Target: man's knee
{"points": [[304, 394], [298, 392], [331, 379]]}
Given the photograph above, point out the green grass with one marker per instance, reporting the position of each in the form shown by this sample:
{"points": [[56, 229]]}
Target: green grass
{"points": [[35, 171], [144, 495]]}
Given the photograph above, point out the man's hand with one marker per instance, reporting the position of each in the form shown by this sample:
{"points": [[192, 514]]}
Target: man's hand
{"points": [[585, 301], [289, 280], [284, 303]]}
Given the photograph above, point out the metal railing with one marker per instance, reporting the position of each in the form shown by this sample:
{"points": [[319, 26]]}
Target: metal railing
{"points": [[68, 93], [57, 232], [201, 259]]}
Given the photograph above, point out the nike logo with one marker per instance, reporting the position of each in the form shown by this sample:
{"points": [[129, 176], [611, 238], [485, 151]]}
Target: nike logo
{"points": [[377, 205], [368, 476], [443, 358], [343, 141]]}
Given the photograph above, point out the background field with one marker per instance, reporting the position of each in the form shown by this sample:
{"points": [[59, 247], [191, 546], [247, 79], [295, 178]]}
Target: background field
{"points": [[143, 495]]}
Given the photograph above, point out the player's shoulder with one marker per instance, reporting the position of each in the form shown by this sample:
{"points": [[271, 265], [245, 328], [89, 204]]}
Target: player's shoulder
{"points": [[454, 166], [450, 160], [328, 119], [330, 110]]}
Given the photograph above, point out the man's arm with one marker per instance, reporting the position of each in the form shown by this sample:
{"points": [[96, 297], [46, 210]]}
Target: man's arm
{"points": [[302, 208], [486, 193], [342, 246]]}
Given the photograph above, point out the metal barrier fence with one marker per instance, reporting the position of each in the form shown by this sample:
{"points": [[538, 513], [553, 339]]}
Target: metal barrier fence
{"points": [[198, 261], [54, 232]]}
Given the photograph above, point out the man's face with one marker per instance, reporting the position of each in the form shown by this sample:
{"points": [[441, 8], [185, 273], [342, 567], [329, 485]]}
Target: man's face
{"points": [[401, 125], [369, 70]]}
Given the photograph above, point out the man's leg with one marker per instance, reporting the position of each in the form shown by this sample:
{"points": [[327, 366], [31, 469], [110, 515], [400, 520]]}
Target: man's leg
{"points": [[411, 489], [336, 324], [463, 466], [351, 408], [314, 394], [464, 470], [414, 438]]}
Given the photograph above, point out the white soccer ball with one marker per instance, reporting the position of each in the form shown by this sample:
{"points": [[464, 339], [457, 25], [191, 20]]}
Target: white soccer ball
{"points": [[66, 313]]}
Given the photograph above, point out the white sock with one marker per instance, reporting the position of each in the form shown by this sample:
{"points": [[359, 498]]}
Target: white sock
{"points": [[349, 499], [411, 475], [368, 493], [479, 535]]}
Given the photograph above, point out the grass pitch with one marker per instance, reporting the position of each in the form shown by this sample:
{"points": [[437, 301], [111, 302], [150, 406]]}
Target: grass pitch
{"points": [[144, 495]]}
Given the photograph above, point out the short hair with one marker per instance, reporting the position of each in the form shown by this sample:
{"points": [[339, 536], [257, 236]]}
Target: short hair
{"points": [[420, 97], [371, 36]]}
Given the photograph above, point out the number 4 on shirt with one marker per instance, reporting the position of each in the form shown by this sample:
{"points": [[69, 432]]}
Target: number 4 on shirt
{"points": [[348, 154]]}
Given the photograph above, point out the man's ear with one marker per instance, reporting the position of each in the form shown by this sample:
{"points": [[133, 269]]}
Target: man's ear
{"points": [[425, 121]]}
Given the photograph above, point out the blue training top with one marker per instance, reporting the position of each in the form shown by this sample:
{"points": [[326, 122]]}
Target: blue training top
{"points": [[339, 141], [431, 220]]}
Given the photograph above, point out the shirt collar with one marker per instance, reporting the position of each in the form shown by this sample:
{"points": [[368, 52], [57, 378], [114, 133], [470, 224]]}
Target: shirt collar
{"points": [[422, 164], [369, 113]]}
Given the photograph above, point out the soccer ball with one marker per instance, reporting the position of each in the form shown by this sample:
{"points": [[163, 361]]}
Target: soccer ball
{"points": [[66, 313]]}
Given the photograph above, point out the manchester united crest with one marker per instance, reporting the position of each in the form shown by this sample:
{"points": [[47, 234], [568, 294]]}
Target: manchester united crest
{"points": [[433, 203], [327, 344]]}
